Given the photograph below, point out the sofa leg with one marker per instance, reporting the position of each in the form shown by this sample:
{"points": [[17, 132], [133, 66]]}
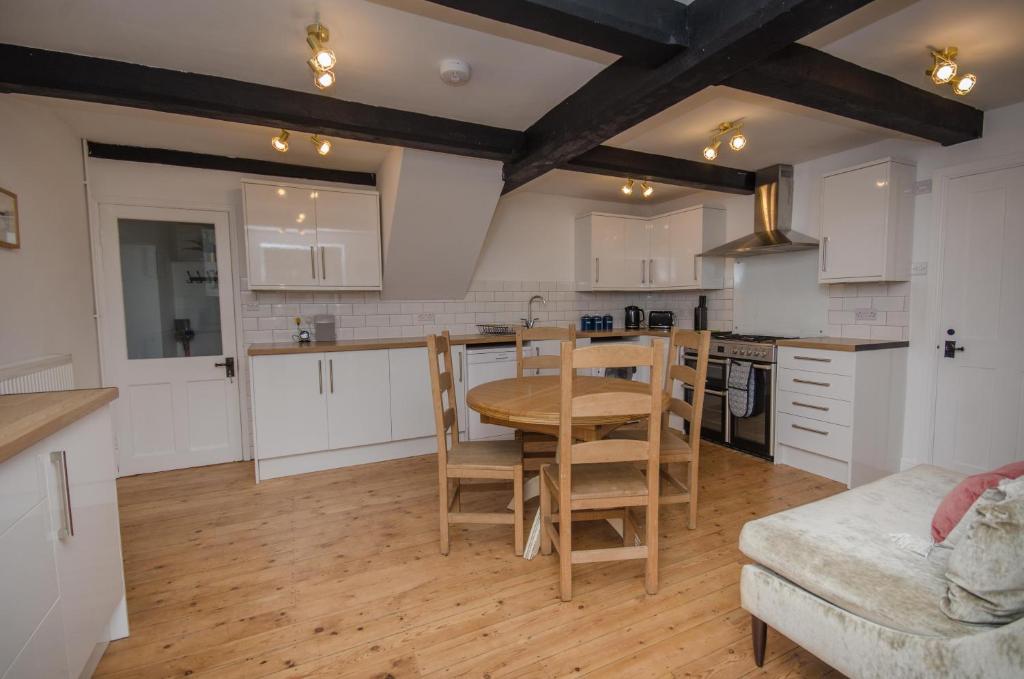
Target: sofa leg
{"points": [[759, 635]]}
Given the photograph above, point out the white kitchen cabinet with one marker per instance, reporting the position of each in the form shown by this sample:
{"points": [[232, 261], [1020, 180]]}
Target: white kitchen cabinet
{"points": [[303, 238], [615, 252], [289, 404], [867, 215], [358, 398], [412, 403]]}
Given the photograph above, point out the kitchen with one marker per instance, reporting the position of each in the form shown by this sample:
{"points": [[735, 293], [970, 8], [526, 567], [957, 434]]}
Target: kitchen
{"points": [[239, 321]]}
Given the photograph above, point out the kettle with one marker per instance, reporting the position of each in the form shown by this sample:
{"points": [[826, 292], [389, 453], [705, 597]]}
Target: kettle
{"points": [[634, 317]]}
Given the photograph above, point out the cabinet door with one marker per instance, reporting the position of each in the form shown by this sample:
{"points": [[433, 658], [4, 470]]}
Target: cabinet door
{"points": [[637, 254], [854, 211], [358, 405], [607, 251], [412, 405], [89, 560], [44, 654], [659, 267], [685, 245], [289, 404], [348, 237], [280, 227]]}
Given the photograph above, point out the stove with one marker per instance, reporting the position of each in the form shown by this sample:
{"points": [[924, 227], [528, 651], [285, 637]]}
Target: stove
{"points": [[754, 348]]}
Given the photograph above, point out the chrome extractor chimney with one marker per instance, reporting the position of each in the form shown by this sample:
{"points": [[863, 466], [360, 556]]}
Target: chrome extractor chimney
{"points": [[773, 219]]}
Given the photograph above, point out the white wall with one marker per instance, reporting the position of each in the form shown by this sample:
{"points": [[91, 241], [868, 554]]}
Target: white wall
{"points": [[46, 300]]}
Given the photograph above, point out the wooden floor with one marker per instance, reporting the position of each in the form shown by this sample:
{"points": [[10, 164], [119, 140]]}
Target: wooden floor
{"points": [[337, 574]]}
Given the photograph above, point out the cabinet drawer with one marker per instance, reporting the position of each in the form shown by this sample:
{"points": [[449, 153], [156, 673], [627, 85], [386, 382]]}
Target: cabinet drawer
{"points": [[815, 407], [816, 384], [817, 360], [824, 438]]}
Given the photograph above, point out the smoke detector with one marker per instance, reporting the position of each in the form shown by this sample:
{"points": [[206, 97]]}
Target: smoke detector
{"points": [[455, 72]]}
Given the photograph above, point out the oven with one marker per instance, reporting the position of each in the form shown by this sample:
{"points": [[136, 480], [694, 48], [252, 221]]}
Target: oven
{"points": [[714, 423], [753, 434]]}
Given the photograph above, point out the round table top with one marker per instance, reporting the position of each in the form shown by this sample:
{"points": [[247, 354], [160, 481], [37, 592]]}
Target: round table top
{"points": [[535, 400]]}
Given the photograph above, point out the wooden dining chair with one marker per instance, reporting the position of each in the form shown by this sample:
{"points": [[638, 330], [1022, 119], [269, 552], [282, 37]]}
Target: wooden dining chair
{"points": [[539, 448], [490, 461], [681, 446], [600, 479]]}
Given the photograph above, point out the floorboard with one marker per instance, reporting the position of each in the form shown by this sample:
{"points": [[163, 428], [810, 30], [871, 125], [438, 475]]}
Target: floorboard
{"points": [[337, 574]]}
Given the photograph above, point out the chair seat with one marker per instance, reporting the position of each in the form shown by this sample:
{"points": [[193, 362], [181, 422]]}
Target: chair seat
{"points": [[674, 448], [603, 480], [491, 455]]}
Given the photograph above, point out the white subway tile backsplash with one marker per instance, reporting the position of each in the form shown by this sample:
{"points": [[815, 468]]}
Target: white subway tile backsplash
{"points": [[841, 317], [886, 332], [900, 318], [888, 303], [860, 331]]}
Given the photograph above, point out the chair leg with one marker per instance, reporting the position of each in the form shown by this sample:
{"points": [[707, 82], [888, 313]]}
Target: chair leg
{"points": [[628, 534], [651, 579], [565, 549], [545, 513], [693, 494], [517, 499], [458, 498], [443, 493], [759, 635]]}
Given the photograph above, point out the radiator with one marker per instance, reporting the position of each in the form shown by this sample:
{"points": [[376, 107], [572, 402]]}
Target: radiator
{"points": [[46, 373]]}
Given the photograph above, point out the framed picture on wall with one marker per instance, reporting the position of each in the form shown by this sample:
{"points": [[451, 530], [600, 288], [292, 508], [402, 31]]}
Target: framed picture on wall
{"points": [[10, 236]]}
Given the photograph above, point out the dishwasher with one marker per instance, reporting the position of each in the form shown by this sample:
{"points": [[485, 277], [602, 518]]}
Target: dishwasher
{"points": [[487, 363]]}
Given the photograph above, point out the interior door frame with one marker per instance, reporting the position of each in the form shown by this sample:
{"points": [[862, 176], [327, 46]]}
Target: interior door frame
{"points": [[95, 202], [936, 253]]}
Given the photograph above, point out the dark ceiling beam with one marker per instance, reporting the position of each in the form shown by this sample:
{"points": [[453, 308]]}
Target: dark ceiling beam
{"points": [[67, 76], [615, 162], [142, 154], [725, 37], [806, 76], [648, 31]]}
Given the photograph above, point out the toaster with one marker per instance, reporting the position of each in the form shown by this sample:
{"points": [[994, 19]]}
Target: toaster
{"points": [[660, 320]]}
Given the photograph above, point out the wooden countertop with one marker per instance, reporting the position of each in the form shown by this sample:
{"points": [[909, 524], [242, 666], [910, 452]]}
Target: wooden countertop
{"points": [[26, 419], [276, 348], [842, 344]]}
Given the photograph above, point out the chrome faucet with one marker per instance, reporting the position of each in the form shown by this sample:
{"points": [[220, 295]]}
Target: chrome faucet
{"points": [[530, 321]]}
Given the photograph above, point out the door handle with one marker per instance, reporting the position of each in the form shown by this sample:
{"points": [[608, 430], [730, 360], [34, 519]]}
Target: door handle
{"points": [[330, 372], [824, 253], [320, 374], [817, 384], [643, 272], [823, 409], [597, 266], [228, 365], [312, 262], [323, 262], [951, 349], [67, 529], [695, 267], [813, 431], [650, 270]]}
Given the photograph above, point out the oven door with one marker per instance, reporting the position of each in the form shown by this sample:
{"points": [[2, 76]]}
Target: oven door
{"points": [[754, 434], [715, 416]]}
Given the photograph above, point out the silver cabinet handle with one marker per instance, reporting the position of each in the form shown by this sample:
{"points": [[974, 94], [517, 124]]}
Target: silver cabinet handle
{"points": [[323, 262], [330, 372], [812, 358], [824, 253], [320, 374], [823, 409], [650, 270], [695, 267], [712, 391], [817, 384], [813, 431], [758, 366], [67, 529], [312, 261], [460, 366], [643, 272], [597, 265]]}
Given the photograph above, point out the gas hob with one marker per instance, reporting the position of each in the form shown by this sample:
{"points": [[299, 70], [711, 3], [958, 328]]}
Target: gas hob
{"points": [[756, 348]]}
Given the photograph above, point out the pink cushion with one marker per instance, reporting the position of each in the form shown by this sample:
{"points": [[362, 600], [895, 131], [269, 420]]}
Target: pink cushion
{"points": [[959, 500]]}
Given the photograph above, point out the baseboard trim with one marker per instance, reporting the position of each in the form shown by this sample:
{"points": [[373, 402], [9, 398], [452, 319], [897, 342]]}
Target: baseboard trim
{"points": [[277, 467]]}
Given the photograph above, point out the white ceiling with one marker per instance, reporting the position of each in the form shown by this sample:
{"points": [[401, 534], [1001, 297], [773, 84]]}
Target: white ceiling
{"points": [[389, 52]]}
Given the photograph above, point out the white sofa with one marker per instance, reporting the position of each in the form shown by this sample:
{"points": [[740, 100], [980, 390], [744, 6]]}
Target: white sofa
{"points": [[831, 577]]}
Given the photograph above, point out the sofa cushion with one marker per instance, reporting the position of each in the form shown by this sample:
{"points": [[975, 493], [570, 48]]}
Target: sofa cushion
{"points": [[958, 501], [986, 578], [842, 550]]}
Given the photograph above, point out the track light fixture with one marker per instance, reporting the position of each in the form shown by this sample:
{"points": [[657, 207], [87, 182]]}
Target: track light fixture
{"points": [[738, 142], [323, 59], [280, 142], [627, 188], [646, 190], [944, 70], [322, 146]]}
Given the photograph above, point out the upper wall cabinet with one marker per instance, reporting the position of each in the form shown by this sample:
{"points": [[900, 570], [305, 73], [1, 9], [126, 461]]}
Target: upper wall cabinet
{"points": [[616, 252], [867, 221], [312, 238]]}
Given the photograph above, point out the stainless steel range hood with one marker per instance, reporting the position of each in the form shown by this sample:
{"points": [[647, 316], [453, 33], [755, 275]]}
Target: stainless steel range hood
{"points": [[773, 219]]}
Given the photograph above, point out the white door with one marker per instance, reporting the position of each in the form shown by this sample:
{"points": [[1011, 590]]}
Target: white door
{"points": [[358, 398], [280, 232], [290, 404], [979, 400], [348, 236], [168, 321]]}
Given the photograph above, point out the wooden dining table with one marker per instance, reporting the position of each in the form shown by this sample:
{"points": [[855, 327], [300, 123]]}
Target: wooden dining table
{"points": [[534, 404]]}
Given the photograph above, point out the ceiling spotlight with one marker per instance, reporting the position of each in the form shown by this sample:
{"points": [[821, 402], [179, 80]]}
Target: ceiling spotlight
{"points": [[944, 68], [627, 188], [322, 146], [647, 190], [965, 84], [324, 79], [323, 59], [280, 142], [711, 150], [738, 142]]}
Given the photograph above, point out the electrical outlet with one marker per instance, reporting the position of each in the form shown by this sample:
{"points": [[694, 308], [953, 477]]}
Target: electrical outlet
{"points": [[919, 269], [422, 319], [866, 315], [922, 187]]}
